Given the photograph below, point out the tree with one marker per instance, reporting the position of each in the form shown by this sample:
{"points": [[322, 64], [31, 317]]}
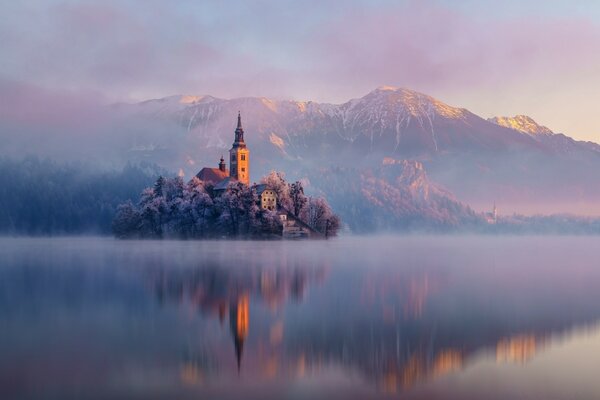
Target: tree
{"points": [[230, 207], [173, 188], [153, 216], [298, 198], [158, 186], [127, 221], [270, 223], [318, 215], [200, 208]]}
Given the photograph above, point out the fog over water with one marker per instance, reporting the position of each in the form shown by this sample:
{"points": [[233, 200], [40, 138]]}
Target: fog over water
{"points": [[462, 317]]}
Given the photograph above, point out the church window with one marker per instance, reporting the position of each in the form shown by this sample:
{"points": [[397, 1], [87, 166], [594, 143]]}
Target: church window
{"points": [[243, 157], [243, 169]]}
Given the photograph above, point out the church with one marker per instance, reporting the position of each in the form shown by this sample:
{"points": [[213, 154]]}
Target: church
{"points": [[239, 171]]}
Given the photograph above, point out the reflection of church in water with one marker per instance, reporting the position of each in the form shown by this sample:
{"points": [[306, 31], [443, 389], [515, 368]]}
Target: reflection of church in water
{"points": [[225, 293], [239, 323]]}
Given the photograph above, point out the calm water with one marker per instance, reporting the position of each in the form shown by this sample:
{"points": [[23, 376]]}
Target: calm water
{"points": [[389, 317]]}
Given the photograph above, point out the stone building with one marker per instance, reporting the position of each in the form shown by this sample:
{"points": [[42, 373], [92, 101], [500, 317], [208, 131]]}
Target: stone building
{"points": [[267, 197]]}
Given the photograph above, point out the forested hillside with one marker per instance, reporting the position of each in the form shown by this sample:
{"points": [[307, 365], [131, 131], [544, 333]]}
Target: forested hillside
{"points": [[41, 197]]}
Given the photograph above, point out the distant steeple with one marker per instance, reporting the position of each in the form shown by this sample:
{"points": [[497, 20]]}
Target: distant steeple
{"points": [[222, 165]]}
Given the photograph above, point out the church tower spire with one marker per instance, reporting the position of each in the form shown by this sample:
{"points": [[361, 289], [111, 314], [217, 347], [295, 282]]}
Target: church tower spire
{"points": [[239, 133], [239, 155]]}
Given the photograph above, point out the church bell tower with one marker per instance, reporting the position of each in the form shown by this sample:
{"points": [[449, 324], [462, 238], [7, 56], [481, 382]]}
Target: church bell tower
{"points": [[239, 156]]}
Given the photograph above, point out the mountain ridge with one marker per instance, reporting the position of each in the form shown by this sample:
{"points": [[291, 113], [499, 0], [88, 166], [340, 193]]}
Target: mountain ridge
{"points": [[478, 160], [374, 106], [409, 122]]}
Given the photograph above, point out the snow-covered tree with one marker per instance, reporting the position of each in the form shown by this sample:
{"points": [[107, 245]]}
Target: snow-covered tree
{"points": [[298, 198], [173, 208], [318, 215]]}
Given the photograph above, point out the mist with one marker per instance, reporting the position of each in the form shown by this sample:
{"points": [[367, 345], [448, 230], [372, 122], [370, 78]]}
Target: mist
{"points": [[70, 125], [372, 187]]}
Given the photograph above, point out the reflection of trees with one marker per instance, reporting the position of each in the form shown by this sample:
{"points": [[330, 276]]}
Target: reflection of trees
{"points": [[213, 289], [408, 292], [396, 328], [227, 292], [400, 330], [518, 349]]}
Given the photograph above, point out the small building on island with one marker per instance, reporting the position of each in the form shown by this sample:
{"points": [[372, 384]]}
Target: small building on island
{"points": [[267, 197]]}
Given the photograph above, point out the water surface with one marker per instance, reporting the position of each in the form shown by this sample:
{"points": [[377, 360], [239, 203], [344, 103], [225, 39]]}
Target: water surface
{"points": [[379, 317]]}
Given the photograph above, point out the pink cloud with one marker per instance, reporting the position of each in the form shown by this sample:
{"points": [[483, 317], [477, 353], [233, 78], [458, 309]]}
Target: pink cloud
{"points": [[426, 46]]}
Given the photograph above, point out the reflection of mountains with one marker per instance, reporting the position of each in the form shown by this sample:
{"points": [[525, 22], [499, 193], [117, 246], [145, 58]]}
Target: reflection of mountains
{"points": [[397, 328], [422, 324]]}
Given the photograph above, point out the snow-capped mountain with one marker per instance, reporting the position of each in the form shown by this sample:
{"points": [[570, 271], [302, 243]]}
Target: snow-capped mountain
{"points": [[390, 120], [521, 165]]}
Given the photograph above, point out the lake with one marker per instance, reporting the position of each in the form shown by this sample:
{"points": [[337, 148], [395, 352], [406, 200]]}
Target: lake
{"points": [[437, 317]]}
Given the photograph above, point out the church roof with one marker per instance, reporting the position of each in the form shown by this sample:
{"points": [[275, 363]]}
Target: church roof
{"points": [[261, 188], [222, 185], [212, 175]]}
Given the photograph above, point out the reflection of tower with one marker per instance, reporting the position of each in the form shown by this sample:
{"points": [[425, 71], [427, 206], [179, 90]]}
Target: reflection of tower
{"points": [[495, 213], [238, 321]]}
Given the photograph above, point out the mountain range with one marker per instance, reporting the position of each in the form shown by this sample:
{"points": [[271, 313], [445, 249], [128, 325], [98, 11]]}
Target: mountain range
{"points": [[511, 161], [392, 121]]}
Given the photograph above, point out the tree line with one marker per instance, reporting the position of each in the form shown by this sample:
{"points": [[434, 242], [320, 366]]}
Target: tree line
{"points": [[45, 197], [175, 209]]}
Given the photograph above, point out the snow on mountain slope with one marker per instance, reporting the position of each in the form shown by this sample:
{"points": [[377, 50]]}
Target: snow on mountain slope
{"points": [[556, 141], [521, 123], [390, 121], [398, 122]]}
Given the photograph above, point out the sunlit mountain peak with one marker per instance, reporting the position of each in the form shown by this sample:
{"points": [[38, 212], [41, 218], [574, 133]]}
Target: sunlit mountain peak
{"points": [[522, 123]]}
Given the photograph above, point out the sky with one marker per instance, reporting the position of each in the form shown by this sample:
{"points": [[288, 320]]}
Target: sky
{"points": [[538, 57]]}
